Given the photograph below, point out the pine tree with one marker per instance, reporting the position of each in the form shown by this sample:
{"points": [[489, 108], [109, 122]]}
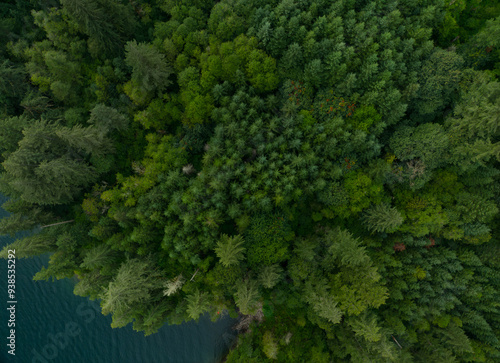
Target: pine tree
{"points": [[173, 285], [105, 22], [383, 218], [99, 257], [107, 119], [246, 297], [439, 80], [90, 139], [269, 345], [132, 286], [366, 326], [49, 167], [197, 304], [150, 70], [322, 302], [270, 276], [11, 134], [30, 246], [16, 222], [230, 250]]}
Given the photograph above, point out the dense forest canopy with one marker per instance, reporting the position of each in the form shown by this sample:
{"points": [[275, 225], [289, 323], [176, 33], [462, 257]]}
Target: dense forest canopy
{"points": [[327, 170]]}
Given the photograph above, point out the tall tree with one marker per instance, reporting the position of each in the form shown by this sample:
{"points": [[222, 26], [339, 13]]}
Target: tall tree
{"points": [[383, 218], [50, 165], [247, 296], [106, 23], [270, 275], [150, 70], [197, 304], [230, 249], [30, 246], [134, 284]]}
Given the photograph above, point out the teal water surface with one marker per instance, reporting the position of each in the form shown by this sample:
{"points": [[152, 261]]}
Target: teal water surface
{"points": [[54, 325]]}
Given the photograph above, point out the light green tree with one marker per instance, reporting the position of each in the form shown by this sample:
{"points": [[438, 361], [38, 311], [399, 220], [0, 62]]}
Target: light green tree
{"points": [[322, 302], [269, 345], [132, 286], [230, 249], [173, 285], [30, 246], [197, 304], [270, 275], [383, 218], [247, 296]]}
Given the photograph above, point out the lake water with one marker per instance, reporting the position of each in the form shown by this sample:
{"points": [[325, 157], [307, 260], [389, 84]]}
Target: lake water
{"points": [[54, 325]]}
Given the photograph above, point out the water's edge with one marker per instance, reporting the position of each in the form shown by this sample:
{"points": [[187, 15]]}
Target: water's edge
{"points": [[54, 325]]}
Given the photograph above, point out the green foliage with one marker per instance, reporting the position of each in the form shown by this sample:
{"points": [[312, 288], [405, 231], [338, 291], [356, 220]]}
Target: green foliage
{"points": [[29, 246], [269, 345], [247, 297], [105, 22], [197, 304], [134, 283], [439, 79], [267, 240], [321, 167], [230, 249], [383, 218], [150, 71], [48, 167], [270, 275]]}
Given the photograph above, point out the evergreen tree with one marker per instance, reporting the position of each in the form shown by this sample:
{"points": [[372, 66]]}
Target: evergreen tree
{"points": [[105, 22], [107, 119], [439, 81], [49, 165], [230, 249], [99, 257], [30, 246], [172, 286], [133, 285], [269, 345], [150, 71], [270, 276], [247, 296], [383, 218], [197, 304]]}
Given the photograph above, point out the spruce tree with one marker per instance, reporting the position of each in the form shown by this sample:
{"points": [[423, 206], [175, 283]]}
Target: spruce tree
{"points": [[30, 246], [270, 275], [150, 70], [247, 296], [383, 218], [230, 249], [197, 304]]}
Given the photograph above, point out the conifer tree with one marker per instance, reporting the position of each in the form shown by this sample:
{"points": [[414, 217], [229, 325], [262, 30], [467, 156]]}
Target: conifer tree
{"points": [[366, 326], [107, 119], [30, 246], [150, 70], [383, 218], [247, 296], [173, 285], [269, 345], [133, 285], [104, 22], [322, 302], [230, 249], [98, 257], [197, 304], [270, 276], [49, 167]]}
